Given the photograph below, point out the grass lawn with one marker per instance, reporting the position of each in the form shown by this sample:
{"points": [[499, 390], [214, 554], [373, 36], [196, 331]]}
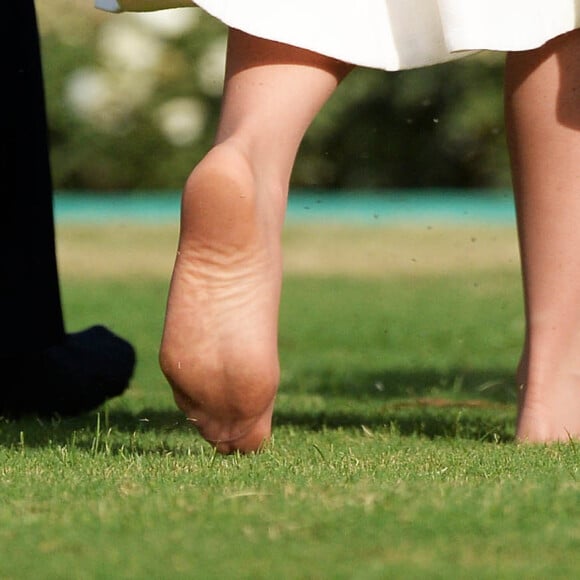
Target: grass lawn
{"points": [[392, 456]]}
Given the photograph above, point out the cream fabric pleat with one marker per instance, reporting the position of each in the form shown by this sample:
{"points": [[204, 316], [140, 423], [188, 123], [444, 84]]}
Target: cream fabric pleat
{"points": [[506, 24], [389, 34]]}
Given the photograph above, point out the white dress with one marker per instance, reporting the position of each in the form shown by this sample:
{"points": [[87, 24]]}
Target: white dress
{"points": [[388, 34]]}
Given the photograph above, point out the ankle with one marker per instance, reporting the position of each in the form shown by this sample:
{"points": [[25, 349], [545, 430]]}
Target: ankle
{"points": [[225, 182]]}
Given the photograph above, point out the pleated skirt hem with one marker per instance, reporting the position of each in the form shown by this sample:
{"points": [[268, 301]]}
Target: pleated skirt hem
{"points": [[390, 34]]}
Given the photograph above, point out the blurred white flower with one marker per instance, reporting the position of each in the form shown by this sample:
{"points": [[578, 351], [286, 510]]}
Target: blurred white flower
{"points": [[211, 67], [87, 91], [168, 23], [105, 99], [181, 120], [123, 45]]}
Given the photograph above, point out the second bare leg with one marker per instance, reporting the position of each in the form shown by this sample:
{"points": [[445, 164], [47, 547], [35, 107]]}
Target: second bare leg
{"points": [[219, 348], [543, 119]]}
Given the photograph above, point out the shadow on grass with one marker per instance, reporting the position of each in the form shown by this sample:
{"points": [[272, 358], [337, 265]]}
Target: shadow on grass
{"points": [[495, 424], [478, 405], [393, 384]]}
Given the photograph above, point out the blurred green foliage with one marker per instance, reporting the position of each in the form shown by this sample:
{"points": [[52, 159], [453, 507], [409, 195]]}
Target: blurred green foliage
{"points": [[121, 118]]}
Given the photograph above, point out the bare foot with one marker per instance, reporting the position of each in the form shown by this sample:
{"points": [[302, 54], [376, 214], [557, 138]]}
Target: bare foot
{"points": [[548, 411], [219, 348]]}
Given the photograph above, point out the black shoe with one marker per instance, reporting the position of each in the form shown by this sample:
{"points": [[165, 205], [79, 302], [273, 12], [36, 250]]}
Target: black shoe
{"points": [[68, 379]]}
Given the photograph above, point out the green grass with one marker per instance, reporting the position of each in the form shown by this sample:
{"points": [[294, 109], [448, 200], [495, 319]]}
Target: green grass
{"points": [[392, 455]]}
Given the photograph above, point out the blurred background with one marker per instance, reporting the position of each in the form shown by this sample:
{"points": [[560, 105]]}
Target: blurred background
{"points": [[133, 102]]}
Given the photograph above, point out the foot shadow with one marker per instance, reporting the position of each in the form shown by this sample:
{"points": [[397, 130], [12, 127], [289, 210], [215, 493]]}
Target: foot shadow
{"points": [[477, 404], [98, 429], [474, 404]]}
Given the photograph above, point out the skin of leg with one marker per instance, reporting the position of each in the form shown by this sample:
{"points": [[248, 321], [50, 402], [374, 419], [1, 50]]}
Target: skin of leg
{"points": [[219, 346], [543, 124]]}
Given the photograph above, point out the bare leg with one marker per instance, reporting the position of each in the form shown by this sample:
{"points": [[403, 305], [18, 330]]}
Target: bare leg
{"points": [[543, 119], [219, 348]]}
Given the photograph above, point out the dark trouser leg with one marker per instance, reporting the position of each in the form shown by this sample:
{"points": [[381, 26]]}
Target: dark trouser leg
{"points": [[44, 371], [30, 306]]}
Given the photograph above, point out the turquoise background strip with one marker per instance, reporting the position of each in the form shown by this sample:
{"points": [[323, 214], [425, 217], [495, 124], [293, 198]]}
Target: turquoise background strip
{"points": [[368, 207]]}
